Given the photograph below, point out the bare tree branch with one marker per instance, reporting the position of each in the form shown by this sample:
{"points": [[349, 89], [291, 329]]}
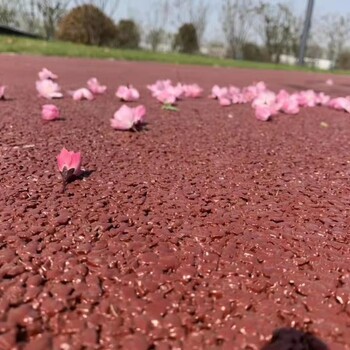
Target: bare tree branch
{"points": [[51, 12], [192, 11], [237, 17], [335, 30], [156, 23], [278, 28]]}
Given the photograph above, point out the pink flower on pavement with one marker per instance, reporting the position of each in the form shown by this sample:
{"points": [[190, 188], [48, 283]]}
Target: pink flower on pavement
{"points": [[290, 105], [322, 99], [222, 94], [217, 92], [127, 118], [265, 98], [233, 90], [307, 98], [166, 97], [127, 93], [50, 112], [2, 92], [329, 82], [263, 113], [95, 87], [340, 103], [260, 86], [159, 85], [82, 94], [47, 74], [69, 165], [48, 89], [239, 98], [192, 90], [225, 101]]}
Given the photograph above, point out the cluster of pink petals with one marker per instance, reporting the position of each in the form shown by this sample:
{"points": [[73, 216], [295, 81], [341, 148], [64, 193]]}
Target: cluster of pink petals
{"points": [[82, 94], [2, 92], [266, 103], [48, 89], [50, 112], [127, 93], [127, 118], [167, 93], [233, 95], [47, 74], [289, 103], [95, 87], [69, 161]]}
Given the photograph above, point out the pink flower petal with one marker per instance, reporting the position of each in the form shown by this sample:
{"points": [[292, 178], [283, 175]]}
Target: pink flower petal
{"points": [[95, 87], [263, 113], [123, 119], [82, 94], [2, 92], [127, 94], [47, 74], [48, 89], [68, 160], [50, 112]]}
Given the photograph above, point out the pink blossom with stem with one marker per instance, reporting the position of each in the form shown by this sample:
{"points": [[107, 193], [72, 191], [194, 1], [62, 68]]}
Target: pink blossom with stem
{"points": [[69, 165], [50, 112]]}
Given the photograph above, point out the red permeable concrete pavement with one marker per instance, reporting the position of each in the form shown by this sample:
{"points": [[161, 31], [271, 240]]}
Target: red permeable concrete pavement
{"points": [[203, 232]]}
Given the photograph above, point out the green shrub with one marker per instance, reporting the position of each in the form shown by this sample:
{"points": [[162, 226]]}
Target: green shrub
{"points": [[343, 61], [253, 52], [88, 25], [186, 40], [128, 36]]}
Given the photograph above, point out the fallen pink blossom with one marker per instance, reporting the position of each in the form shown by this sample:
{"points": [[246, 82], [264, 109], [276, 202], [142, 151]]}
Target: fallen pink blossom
{"points": [[166, 97], [2, 92], [307, 98], [48, 89], [340, 103], [128, 118], [50, 112], [159, 85], [263, 113], [192, 90], [82, 94], [322, 99], [290, 105], [224, 101], [127, 93], [329, 82], [264, 98], [95, 87], [69, 165], [217, 92], [47, 74]]}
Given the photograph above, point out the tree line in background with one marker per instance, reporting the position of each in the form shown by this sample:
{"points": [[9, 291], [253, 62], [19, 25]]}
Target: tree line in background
{"points": [[253, 29]]}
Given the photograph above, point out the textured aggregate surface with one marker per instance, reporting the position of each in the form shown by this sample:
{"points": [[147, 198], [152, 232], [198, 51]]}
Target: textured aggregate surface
{"points": [[202, 232]]}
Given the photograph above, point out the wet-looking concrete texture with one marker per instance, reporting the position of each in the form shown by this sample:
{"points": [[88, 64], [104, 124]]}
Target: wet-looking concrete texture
{"points": [[202, 232]]}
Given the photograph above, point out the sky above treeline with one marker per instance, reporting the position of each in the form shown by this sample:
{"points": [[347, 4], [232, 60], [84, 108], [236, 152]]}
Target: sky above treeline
{"points": [[140, 11]]}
